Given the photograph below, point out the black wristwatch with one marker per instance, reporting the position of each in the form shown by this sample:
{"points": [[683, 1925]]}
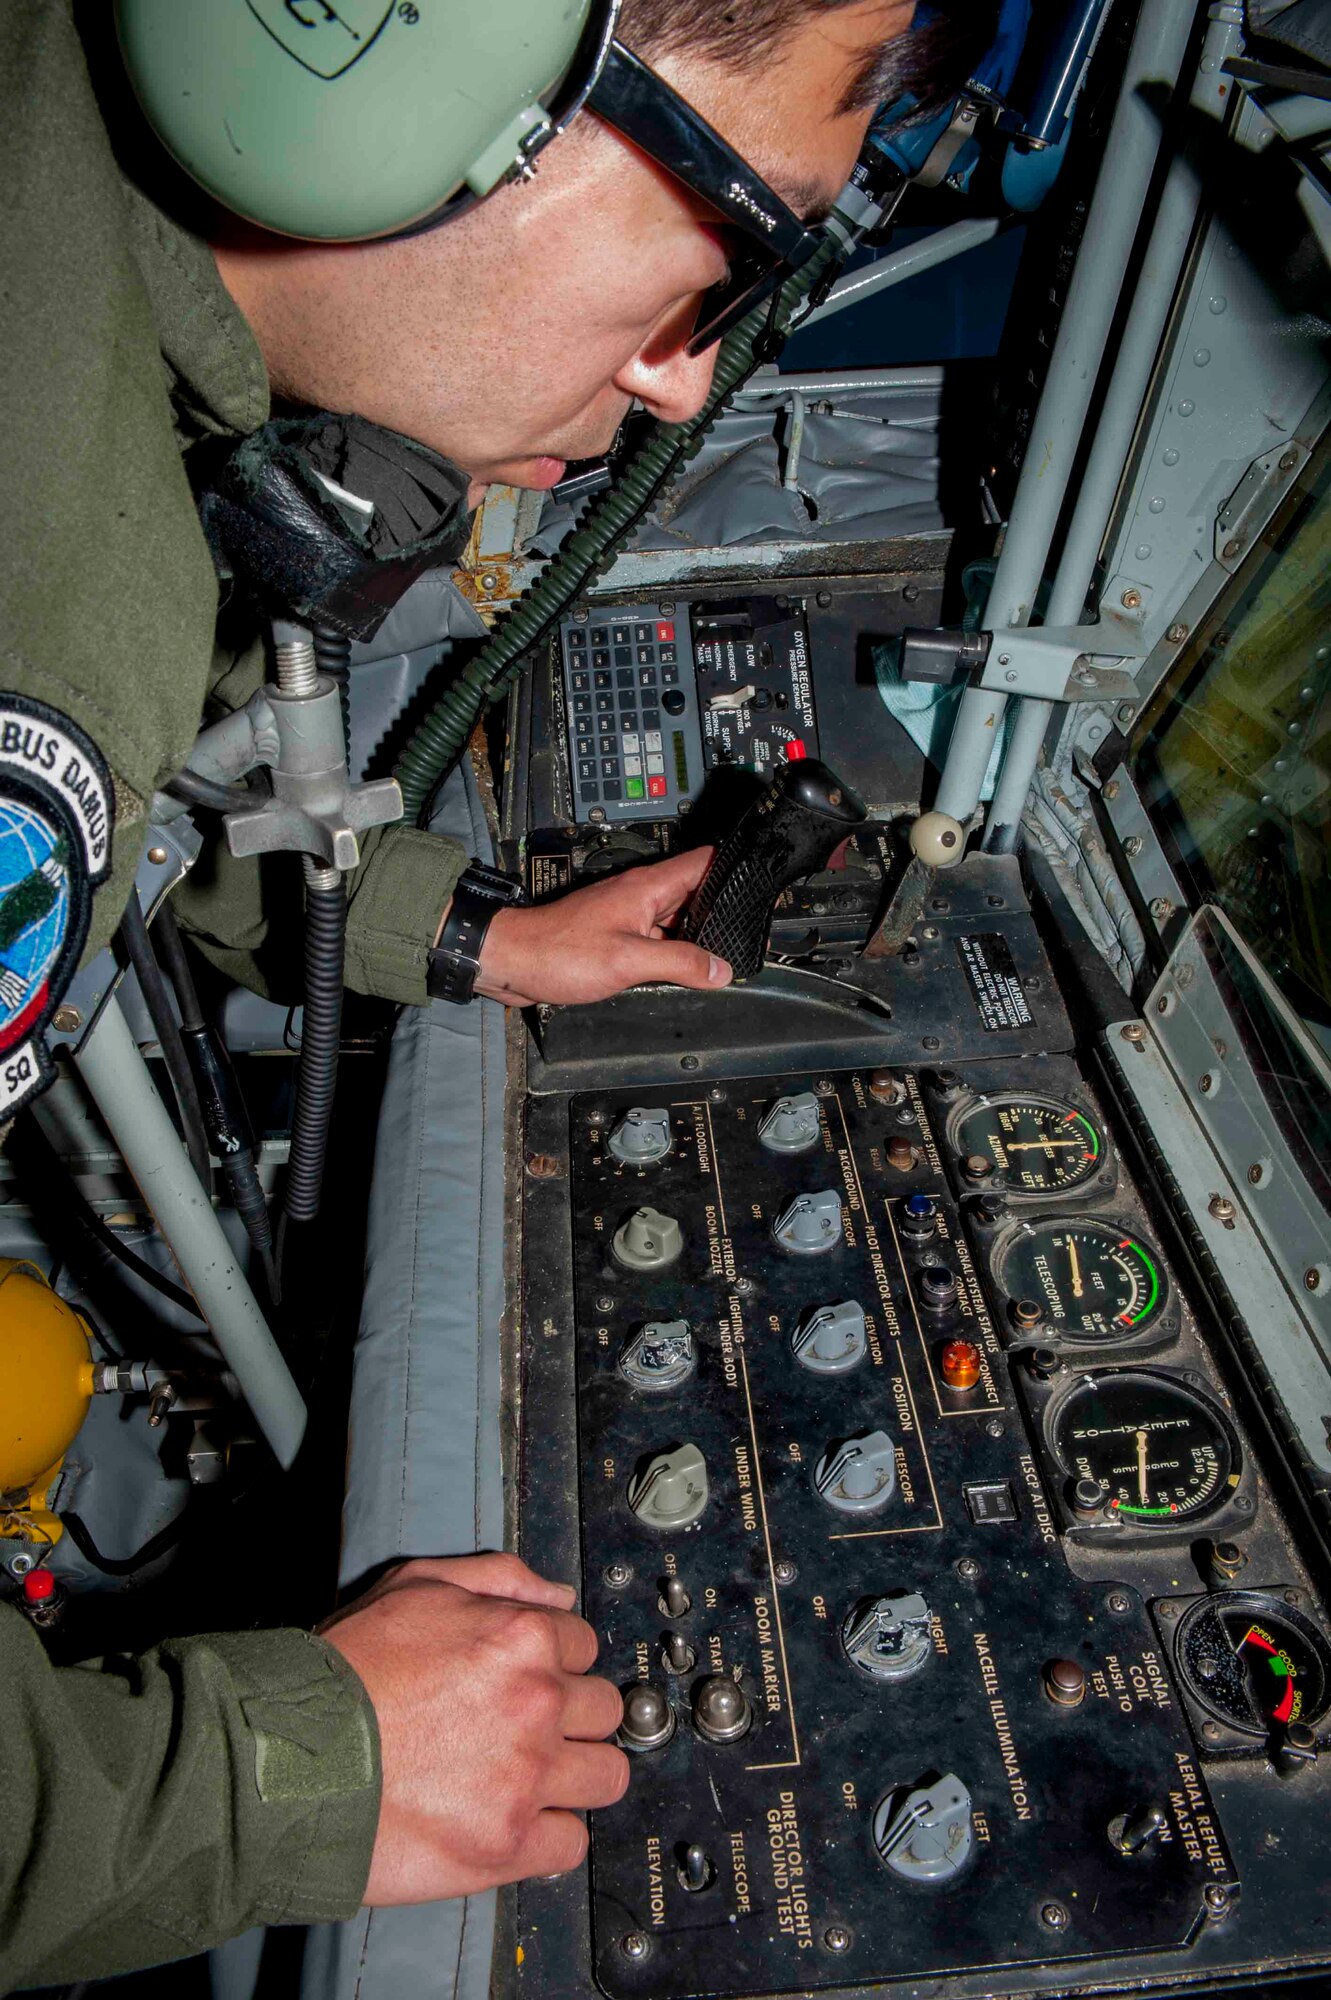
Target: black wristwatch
{"points": [[456, 959]]}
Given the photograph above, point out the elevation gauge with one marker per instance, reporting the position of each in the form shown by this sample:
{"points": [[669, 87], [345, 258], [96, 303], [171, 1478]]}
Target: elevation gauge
{"points": [[1252, 1662], [1092, 1280], [1162, 1453], [1027, 1144]]}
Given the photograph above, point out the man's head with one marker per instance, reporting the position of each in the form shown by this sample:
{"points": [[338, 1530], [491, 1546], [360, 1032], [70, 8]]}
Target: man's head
{"points": [[515, 337]]}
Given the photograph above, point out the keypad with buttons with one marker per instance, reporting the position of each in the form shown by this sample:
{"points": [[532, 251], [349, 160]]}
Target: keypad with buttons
{"points": [[635, 742]]}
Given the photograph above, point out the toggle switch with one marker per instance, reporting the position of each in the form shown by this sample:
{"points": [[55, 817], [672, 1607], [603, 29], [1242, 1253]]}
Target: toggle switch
{"points": [[928, 1837], [859, 1475], [677, 1655], [670, 1491], [721, 1711], [641, 1136], [811, 1224], [649, 1720], [831, 1339], [1137, 1833], [889, 1637], [659, 1356], [675, 1600], [648, 1240], [791, 1126], [695, 1868]]}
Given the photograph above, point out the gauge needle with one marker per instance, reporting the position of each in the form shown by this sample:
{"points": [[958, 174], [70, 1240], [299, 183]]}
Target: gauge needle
{"points": [[1141, 1466], [1076, 1271], [1038, 1145]]}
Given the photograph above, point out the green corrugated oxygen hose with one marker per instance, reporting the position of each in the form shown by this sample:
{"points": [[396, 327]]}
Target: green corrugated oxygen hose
{"points": [[441, 736]]}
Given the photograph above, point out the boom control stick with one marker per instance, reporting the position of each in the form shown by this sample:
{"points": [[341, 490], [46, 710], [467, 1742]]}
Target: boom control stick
{"points": [[790, 832]]}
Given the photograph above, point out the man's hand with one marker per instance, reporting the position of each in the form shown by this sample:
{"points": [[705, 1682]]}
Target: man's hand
{"points": [[489, 1725], [600, 939]]}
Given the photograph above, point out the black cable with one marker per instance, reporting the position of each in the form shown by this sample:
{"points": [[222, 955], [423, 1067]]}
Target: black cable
{"points": [[332, 656], [134, 932], [166, 932], [157, 1545], [200, 791], [316, 1073], [69, 1212]]}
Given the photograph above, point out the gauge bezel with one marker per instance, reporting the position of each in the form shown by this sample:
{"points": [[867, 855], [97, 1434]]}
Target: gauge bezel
{"points": [[1161, 1327], [1217, 1734], [1097, 1183], [1233, 1505]]}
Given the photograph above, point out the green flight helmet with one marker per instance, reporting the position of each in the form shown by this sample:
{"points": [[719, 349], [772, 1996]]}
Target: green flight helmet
{"points": [[343, 121]]}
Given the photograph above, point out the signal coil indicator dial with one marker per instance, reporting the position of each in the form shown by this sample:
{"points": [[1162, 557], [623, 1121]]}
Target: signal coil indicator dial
{"points": [[1029, 1144], [1162, 1454], [1252, 1663], [1094, 1281]]}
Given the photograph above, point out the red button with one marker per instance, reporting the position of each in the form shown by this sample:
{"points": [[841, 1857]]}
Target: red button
{"points": [[665, 634], [38, 1586], [795, 750], [656, 788]]}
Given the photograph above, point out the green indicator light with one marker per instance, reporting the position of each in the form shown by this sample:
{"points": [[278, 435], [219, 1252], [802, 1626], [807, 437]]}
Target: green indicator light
{"points": [[633, 786]]}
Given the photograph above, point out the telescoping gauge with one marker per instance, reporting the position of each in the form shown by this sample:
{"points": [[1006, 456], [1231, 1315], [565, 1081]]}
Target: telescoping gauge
{"points": [[1162, 1454], [1031, 1144], [1091, 1280]]}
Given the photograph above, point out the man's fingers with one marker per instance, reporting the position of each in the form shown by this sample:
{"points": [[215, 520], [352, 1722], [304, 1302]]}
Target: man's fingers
{"points": [[497, 1574], [578, 1643], [593, 1709], [643, 961], [586, 1775], [671, 883], [557, 1843]]}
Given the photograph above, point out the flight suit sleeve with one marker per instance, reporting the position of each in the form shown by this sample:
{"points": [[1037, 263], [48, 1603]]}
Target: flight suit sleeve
{"points": [[156, 1805]]}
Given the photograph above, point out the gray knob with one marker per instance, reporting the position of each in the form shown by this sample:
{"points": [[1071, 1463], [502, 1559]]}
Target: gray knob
{"points": [[811, 1224], [928, 1836], [791, 1126], [889, 1637], [858, 1476], [671, 1489], [831, 1339], [649, 1720], [648, 1240], [659, 1356], [721, 1711], [641, 1136]]}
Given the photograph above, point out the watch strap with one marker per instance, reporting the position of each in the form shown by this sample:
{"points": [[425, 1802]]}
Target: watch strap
{"points": [[456, 959]]}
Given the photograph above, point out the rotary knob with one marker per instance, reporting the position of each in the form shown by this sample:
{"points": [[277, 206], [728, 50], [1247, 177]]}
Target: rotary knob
{"points": [[928, 1836], [649, 1720], [641, 1136], [791, 1126], [811, 1224], [670, 1490], [889, 1637], [648, 1240], [859, 1475], [831, 1339], [659, 1356], [721, 1711]]}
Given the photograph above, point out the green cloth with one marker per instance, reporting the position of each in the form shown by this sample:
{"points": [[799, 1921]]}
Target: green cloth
{"points": [[121, 350], [153, 1806]]}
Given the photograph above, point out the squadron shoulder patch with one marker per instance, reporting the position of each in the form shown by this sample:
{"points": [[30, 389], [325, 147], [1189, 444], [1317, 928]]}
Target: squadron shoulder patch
{"points": [[56, 816]]}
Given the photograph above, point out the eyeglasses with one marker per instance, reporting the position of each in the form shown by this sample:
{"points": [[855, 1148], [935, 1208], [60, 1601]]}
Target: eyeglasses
{"points": [[644, 109]]}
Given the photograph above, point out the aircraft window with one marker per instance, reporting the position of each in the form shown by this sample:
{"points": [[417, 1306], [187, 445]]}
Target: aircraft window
{"points": [[1233, 758]]}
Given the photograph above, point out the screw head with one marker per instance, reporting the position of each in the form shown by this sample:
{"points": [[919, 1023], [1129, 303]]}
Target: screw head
{"points": [[1118, 1602], [489, 579], [1222, 1208], [1206, 1083], [66, 1020], [1176, 634], [1132, 846], [158, 856], [617, 1576], [837, 1938], [784, 1570], [1054, 1917], [1131, 600], [968, 1568], [1112, 789], [543, 1166], [1312, 1279], [1133, 1031], [688, 1062], [931, 1042], [994, 1427], [667, 607], [1230, 550], [1161, 909], [21, 1563], [1124, 713], [1288, 460], [1216, 1898], [634, 1945]]}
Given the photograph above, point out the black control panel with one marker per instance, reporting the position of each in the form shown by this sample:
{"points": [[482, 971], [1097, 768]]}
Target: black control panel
{"points": [[947, 1597]]}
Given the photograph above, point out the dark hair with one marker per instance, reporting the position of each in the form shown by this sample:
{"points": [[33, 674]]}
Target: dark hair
{"points": [[930, 61]]}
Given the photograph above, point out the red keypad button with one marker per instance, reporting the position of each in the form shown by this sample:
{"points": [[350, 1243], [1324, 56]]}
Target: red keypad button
{"points": [[665, 633], [656, 788]]}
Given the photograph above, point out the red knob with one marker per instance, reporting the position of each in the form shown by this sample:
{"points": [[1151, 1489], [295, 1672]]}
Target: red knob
{"points": [[38, 1587]]}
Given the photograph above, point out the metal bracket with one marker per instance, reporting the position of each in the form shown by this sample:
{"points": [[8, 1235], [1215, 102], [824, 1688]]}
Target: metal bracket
{"points": [[169, 854], [1067, 663], [1249, 506], [960, 127]]}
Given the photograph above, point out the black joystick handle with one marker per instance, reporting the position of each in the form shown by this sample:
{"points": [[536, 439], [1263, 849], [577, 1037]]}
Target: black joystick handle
{"points": [[790, 832]]}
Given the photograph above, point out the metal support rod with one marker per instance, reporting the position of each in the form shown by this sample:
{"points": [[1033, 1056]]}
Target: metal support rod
{"points": [[825, 384], [1159, 45], [117, 1076], [908, 262], [1153, 295]]}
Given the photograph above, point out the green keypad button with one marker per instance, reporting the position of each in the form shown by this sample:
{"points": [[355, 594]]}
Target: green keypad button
{"points": [[633, 788]]}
